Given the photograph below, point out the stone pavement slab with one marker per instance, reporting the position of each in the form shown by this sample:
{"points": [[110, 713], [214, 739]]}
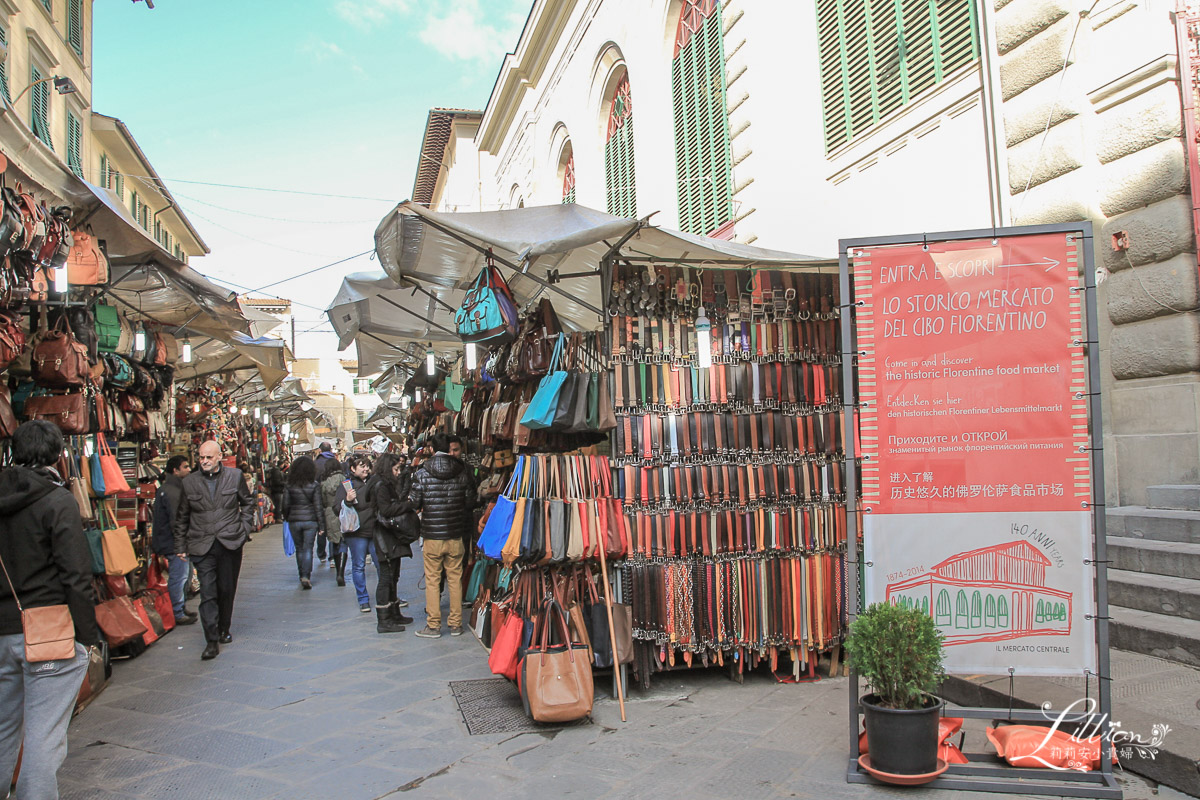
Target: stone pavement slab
{"points": [[309, 702]]}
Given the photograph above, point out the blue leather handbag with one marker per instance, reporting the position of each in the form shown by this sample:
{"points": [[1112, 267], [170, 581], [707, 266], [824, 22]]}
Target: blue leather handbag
{"points": [[488, 313], [540, 413], [500, 521]]}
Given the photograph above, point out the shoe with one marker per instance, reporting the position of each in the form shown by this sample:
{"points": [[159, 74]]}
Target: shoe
{"points": [[321, 559], [333, 562], [429, 633], [187, 618], [364, 608], [341, 569], [305, 584], [225, 638], [400, 601], [384, 623], [395, 616], [456, 630], [211, 651]]}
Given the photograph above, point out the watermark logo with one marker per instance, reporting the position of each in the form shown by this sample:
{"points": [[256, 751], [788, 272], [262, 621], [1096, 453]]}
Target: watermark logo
{"points": [[1080, 749]]}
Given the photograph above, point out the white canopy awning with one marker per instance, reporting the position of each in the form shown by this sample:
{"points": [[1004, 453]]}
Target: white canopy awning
{"points": [[237, 351]]}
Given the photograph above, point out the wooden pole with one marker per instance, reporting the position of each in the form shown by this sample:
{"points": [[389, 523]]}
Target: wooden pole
{"points": [[612, 636]]}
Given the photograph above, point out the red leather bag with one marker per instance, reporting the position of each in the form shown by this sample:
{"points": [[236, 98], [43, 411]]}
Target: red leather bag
{"points": [[12, 338], [68, 411], [59, 361], [8, 420], [505, 644], [162, 603], [119, 621]]}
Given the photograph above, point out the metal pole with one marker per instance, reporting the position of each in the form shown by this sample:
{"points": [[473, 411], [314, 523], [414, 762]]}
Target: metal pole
{"points": [[849, 392]]}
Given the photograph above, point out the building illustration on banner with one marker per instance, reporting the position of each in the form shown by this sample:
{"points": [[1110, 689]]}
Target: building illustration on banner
{"points": [[988, 595]]}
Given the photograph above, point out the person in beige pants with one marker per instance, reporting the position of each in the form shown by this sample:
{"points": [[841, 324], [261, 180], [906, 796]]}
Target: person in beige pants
{"points": [[444, 492]]}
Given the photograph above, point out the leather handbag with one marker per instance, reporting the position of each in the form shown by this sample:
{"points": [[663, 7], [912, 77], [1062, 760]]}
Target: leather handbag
{"points": [[114, 478], [162, 604], [540, 413], [506, 642], [484, 315], [555, 680], [49, 630], [12, 338], [60, 361], [8, 420], [119, 621], [68, 411], [108, 328], [155, 629], [500, 521], [95, 540], [86, 262], [511, 551], [119, 557], [606, 417]]}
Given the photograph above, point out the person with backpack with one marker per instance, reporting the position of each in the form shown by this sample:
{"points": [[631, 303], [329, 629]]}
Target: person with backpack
{"points": [[396, 528], [351, 493], [304, 513]]}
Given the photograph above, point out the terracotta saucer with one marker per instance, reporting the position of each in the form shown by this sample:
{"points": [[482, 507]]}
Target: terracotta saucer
{"points": [[864, 761]]}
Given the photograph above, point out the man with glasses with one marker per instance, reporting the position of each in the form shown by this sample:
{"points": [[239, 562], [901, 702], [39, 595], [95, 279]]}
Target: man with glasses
{"points": [[213, 522]]}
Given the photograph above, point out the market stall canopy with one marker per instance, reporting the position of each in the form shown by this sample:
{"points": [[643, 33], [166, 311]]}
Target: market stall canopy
{"points": [[384, 412], [175, 295], [238, 351]]}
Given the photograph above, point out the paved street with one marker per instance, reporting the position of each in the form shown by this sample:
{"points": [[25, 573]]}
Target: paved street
{"points": [[310, 702]]}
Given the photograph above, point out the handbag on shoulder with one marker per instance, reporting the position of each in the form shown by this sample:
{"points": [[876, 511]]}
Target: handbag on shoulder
{"points": [[49, 630]]}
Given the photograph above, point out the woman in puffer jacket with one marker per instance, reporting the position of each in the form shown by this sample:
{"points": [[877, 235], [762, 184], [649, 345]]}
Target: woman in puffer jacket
{"points": [[304, 512]]}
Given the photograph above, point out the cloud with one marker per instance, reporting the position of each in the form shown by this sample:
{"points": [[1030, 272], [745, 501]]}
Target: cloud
{"points": [[324, 52], [367, 13], [463, 32]]}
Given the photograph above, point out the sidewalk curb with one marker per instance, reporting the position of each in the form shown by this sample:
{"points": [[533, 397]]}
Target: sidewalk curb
{"points": [[1171, 768]]}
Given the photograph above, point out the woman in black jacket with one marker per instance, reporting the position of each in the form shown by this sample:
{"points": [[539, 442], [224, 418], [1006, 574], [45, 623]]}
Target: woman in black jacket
{"points": [[46, 556], [359, 541], [395, 523], [304, 513]]}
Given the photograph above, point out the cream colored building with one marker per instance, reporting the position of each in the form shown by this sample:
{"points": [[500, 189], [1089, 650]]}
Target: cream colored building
{"points": [[331, 383]]}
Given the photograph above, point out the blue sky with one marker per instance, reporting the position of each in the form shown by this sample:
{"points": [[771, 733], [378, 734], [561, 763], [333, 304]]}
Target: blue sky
{"points": [[324, 96]]}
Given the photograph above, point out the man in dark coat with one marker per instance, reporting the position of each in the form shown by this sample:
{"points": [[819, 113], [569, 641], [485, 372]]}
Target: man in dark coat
{"points": [[276, 483], [213, 522], [166, 503], [444, 492]]}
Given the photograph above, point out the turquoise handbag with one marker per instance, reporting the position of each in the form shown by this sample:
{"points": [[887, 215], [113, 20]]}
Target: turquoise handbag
{"points": [[488, 313], [540, 413]]}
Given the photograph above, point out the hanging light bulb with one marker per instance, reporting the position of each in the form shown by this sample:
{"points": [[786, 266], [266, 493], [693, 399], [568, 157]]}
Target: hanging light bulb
{"points": [[139, 340], [430, 361], [472, 357], [417, 395], [196, 408], [60, 279], [287, 428], [404, 402], [186, 351], [258, 412], [703, 340], [245, 411]]}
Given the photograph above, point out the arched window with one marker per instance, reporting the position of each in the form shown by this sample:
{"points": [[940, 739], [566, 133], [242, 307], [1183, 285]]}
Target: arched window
{"points": [[1041, 612], [989, 611], [942, 617], [961, 619], [976, 609], [568, 192], [702, 155], [619, 171], [1002, 612]]}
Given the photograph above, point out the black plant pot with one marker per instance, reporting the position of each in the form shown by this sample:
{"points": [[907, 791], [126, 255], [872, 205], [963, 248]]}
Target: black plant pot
{"points": [[903, 742]]}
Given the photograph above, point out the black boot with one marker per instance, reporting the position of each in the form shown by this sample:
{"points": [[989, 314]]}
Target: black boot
{"points": [[341, 569], [384, 622], [395, 616]]}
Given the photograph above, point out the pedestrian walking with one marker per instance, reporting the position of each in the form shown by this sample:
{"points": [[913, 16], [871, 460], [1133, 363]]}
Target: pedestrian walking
{"points": [[352, 492], [304, 512], [395, 521], [276, 483], [331, 480], [46, 562], [212, 526], [162, 537], [444, 492]]}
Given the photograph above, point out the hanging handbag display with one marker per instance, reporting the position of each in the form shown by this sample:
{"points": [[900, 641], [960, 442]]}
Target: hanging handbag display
{"points": [[540, 413], [86, 262], [119, 621], [555, 679], [110, 468], [68, 411], [12, 338], [119, 556], [108, 328], [49, 630], [488, 313], [500, 521], [505, 643], [95, 540], [59, 360], [8, 420]]}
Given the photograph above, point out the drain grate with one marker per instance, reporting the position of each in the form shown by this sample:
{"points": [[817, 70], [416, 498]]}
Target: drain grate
{"points": [[492, 705]]}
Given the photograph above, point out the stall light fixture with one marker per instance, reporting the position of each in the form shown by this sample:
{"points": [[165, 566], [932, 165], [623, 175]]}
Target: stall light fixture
{"points": [[258, 412], [245, 411], [472, 357], [404, 402], [60, 279], [196, 408], [703, 340], [287, 428], [186, 351], [233, 408], [417, 395], [430, 361], [306, 406], [139, 340]]}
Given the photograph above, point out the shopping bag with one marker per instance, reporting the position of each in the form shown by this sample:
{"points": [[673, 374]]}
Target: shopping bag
{"points": [[348, 519], [119, 557], [540, 413], [289, 546]]}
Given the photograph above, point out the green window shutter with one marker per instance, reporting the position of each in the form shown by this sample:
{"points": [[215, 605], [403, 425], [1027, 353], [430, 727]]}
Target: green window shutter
{"points": [[75, 25], [119, 185], [74, 144], [877, 56], [39, 108], [104, 171], [133, 205], [4, 67], [619, 172], [703, 159], [569, 180], [47, 6]]}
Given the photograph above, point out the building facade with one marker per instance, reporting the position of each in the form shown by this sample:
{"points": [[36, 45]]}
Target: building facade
{"points": [[792, 125]]}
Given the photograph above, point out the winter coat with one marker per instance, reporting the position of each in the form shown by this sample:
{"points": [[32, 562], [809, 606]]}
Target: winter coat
{"points": [[276, 480], [217, 508], [366, 514], [166, 504], [329, 491], [304, 504], [444, 492], [390, 500], [44, 550]]}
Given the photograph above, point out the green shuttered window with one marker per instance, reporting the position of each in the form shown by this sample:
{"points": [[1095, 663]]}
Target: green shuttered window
{"points": [[619, 173], [74, 144], [4, 67], [39, 108], [46, 5], [880, 55], [702, 153], [75, 25]]}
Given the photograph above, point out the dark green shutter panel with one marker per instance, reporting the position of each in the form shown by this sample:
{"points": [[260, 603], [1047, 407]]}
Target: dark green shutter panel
{"points": [[877, 56], [75, 25], [620, 175], [703, 160], [4, 68], [74, 144], [46, 4], [39, 108]]}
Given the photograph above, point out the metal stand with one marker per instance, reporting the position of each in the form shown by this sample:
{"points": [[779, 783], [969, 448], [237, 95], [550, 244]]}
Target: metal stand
{"points": [[987, 773]]}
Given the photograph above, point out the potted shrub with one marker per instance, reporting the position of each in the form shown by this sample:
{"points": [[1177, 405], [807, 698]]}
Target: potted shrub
{"points": [[898, 651]]}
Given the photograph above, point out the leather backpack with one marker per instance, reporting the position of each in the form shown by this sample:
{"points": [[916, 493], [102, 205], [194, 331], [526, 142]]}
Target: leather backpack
{"points": [[108, 327], [86, 262], [59, 361]]}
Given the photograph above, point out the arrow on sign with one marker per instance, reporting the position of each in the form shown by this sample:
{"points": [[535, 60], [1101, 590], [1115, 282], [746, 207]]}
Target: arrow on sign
{"points": [[1047, 262]]}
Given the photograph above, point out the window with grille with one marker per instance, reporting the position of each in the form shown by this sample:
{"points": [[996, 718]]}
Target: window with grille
{"points": [[39, 107], [119, 184], [104, 177], [619, 171], [362, 385], [134, 206], [878, 56], [145, 216], [3, 66], [74, 144], [702, 154], [569, 180], [158, 231], [75, 25]]}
